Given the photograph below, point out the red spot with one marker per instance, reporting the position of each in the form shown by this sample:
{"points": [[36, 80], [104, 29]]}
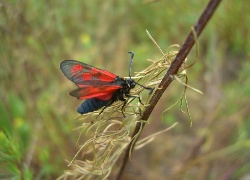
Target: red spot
{"points": [[106, 76], [105, 97], [77, 68], [95, 71], [86, 76]]}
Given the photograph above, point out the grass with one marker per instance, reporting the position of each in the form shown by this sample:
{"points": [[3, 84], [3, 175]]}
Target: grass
{"points": [[37, 116]]}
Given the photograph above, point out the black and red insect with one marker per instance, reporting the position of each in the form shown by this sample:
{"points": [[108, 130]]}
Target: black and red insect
{"points": [[99, 88]]}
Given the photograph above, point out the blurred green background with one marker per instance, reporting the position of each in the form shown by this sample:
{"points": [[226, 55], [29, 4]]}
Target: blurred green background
{"points": [[37, 114]]}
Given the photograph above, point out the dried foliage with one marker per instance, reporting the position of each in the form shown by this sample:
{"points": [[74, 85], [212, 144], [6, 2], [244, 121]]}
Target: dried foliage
{"points": [[110, 132]]}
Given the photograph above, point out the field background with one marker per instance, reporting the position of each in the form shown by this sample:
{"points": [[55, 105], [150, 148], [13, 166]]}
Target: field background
{"points": [[37, 116]]}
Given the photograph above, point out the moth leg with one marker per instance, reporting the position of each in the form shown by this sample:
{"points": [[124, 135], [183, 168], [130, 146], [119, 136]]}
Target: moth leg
{"points": [[130, 96], [125, 102], [107, 105]]}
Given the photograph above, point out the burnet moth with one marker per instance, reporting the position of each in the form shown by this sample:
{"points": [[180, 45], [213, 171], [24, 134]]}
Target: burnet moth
{"points": [[99, 88]]}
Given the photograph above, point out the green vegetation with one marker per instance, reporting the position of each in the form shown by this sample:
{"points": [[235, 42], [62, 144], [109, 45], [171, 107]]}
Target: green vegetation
{"points": [[37, 117]]}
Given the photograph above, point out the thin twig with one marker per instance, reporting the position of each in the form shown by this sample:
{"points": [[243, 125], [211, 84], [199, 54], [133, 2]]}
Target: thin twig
{"points": [[179, 59]]}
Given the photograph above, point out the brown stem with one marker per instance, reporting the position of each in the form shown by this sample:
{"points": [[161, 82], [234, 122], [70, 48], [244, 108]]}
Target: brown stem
{"points": [[176, 64]]}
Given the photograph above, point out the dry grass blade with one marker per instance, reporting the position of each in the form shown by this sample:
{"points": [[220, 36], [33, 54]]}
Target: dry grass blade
{"points": [[109, 133], [174, 68]]}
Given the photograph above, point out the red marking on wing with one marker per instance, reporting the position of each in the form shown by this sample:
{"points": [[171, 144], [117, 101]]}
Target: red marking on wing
{"points": [[105, 97], [85, 75], [104, 74], [101, 92], [76, 69]]}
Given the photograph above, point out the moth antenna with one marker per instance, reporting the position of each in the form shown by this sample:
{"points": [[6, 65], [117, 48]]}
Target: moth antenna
{"points": [[130, 65], [129, 71]]}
